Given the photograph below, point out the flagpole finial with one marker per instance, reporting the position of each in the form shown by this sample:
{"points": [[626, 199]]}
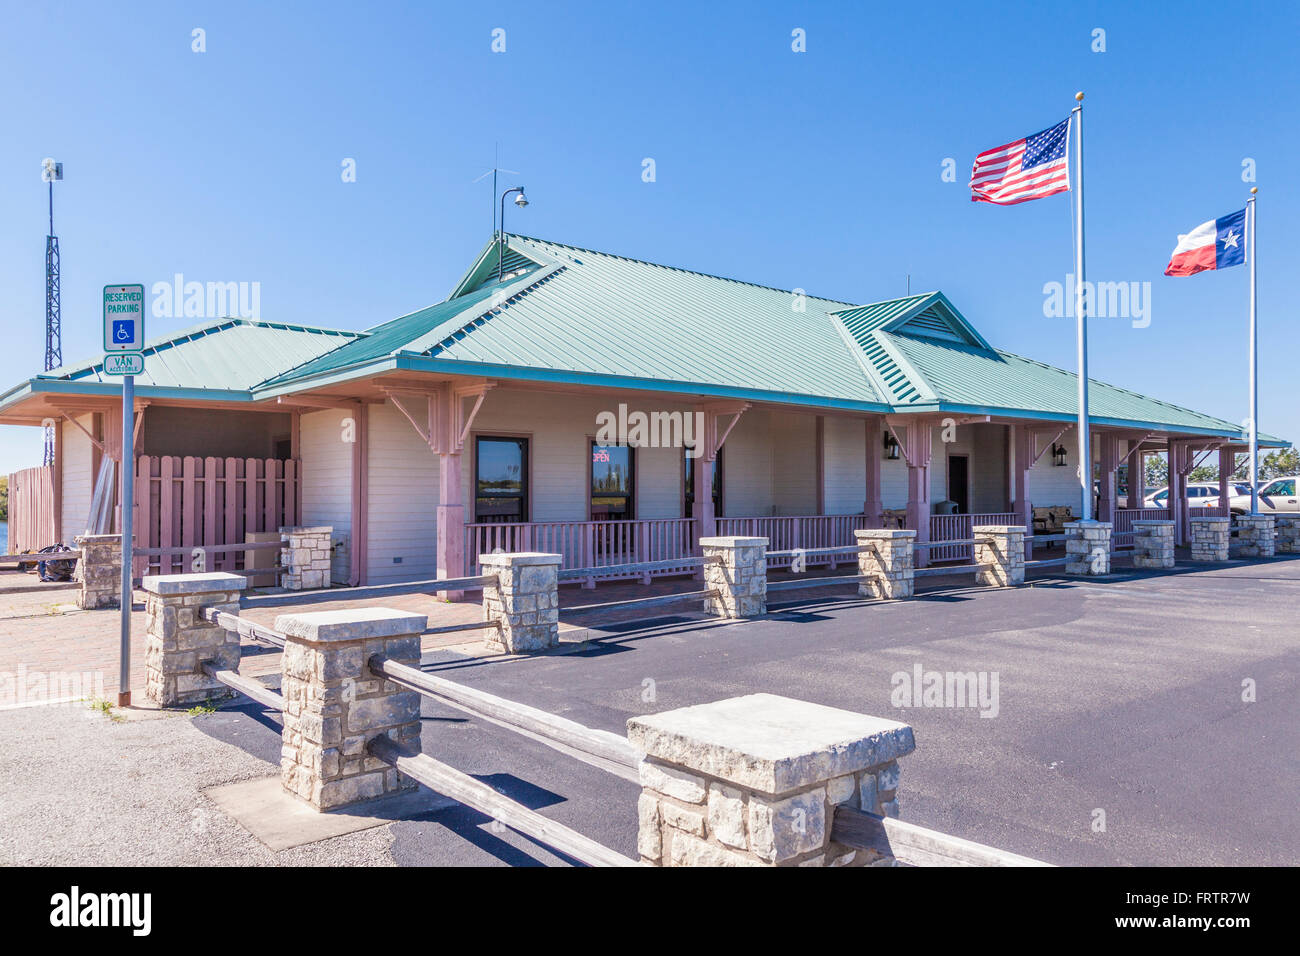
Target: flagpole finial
{"points": [[1253, 190], [1079, 96]]}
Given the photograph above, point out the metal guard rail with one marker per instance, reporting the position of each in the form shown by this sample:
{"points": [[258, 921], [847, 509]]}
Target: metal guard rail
{"points": [[569, 733], [463, 788], [916, 846]]}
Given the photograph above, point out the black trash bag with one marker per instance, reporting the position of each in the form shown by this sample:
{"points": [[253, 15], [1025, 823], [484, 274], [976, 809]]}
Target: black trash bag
{"points": [[56, 569]]}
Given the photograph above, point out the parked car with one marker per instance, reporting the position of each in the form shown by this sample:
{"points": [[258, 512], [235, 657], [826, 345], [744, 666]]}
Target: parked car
{"points": [[1277, 495], [1201, 494]]}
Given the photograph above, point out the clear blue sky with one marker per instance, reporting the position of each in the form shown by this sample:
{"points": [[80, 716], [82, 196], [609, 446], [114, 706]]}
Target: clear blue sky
{"points": [[818, 170]]}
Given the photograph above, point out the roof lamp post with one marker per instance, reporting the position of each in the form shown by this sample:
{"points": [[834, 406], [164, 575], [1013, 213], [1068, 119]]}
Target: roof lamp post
{"points": [[521, 201]]}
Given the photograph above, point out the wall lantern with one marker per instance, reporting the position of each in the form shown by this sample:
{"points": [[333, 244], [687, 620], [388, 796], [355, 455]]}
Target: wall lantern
{"points": [[1058, 455], [891, 447]]}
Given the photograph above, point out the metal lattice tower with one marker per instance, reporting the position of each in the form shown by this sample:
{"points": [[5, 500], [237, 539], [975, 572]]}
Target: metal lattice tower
{"points": [[51, 172]]}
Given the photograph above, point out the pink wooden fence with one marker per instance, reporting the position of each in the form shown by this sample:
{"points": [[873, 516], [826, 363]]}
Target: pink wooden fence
{"points": [[1121, 535], [588, 544], [787, 532], [31, 509], [185, 503], [960, 528]]}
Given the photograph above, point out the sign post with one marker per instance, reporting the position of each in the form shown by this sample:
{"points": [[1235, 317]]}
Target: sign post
{"points": [[124, 335]]}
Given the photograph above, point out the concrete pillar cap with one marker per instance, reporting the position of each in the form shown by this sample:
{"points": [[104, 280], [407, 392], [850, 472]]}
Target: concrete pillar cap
{"points": [[194, 583], [353, 624]]}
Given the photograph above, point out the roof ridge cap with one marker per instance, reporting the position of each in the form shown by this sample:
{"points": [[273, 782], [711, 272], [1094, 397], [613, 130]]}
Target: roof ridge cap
{"points": [[694, 272]]}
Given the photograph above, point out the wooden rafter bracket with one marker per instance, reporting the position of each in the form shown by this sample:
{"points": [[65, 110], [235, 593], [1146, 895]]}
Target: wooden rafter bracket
{"points": [[478, 392], [1034, 433], [916, 452], [93, 440], [713, 411], [425, 431]]}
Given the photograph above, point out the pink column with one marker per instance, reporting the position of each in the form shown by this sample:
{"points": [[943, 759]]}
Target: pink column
{"points": [[451, 521], [1108, 446], [1227, 465], [1137, 480], [1024, 445], [360, 493], [703, 491], [1176, 503], [917, 441], [873, 506]]}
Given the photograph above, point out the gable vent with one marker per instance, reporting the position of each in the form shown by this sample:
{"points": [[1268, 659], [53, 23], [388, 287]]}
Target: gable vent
{"points": [[930, 324], [512, 265]]}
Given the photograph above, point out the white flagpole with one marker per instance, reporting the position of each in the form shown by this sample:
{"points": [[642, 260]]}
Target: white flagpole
{"points": [[1254, 358], [1080, 311]]}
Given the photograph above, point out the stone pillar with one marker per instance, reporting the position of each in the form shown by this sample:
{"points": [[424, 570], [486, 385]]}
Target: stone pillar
{"points": [[754, 781], [1209, 538], [1000, 554], [1287, 540], [1153, 544], [179, 640], [334, 705], [737, 569], [99, 570], [1255, 536], [526, 600], [885, 562], [305, 558], [1087, 547]]}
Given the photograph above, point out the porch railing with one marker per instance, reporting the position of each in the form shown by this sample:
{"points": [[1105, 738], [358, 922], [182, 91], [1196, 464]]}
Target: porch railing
{"points": [[1122, 533], [793, 532], [958, 528], [591, 544]]}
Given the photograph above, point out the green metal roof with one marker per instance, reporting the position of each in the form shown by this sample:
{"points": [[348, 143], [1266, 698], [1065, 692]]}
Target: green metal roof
{"points": [[962, 375], [229, 354], [414, 332], [597, 314], [573, 315]]}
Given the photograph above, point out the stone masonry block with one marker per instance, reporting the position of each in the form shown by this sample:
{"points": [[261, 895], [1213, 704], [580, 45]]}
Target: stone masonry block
{"points": [[754, 781]]}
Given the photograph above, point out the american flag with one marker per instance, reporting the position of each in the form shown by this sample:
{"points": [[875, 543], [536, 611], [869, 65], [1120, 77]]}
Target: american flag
{"points": [[1026, 169]]}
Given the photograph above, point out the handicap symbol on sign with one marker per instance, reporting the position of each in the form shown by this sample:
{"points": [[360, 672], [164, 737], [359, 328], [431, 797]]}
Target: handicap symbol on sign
{"points": [[123, 330]]}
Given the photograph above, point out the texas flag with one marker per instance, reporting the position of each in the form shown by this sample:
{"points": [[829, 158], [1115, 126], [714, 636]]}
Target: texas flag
{"points": [[1216, 244]]}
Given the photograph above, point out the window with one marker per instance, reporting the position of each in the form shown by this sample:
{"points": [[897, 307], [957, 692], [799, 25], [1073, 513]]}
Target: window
{"points": [[612, 472], [1284, 486], [501, 479], [689, 474], [1161, 498]]}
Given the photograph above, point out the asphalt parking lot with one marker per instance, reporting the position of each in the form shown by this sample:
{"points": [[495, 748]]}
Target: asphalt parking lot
{"points": [[1121, 697]]}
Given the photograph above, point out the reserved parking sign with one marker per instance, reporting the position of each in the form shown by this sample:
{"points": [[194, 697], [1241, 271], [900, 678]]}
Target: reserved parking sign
{"points": [[123, 318]]}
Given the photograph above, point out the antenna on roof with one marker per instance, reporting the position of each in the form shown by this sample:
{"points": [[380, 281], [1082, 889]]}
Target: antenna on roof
{"points": [[496, 157]]}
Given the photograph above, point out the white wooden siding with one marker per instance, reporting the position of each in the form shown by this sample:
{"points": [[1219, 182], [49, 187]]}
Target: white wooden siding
{"points": [[78, 480], [845, 470], [402, 501], [327, 481]]}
